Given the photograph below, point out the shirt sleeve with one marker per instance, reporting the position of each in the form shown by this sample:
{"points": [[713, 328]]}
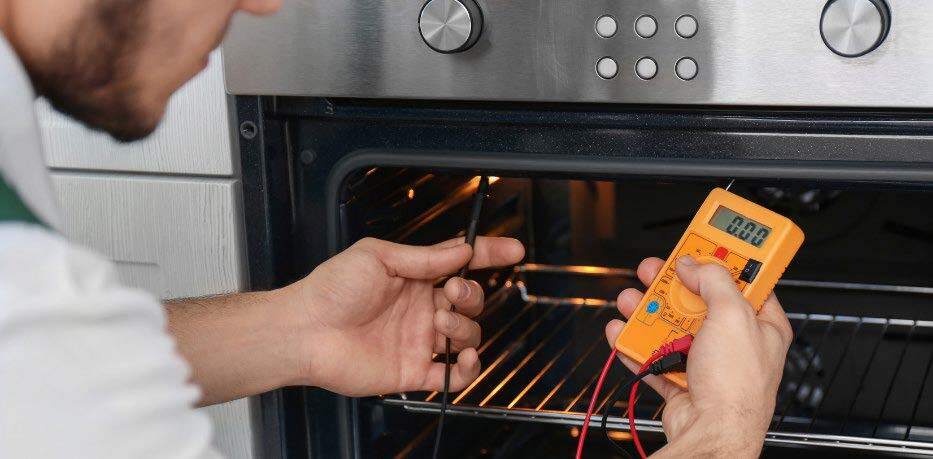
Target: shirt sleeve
{"points": [[87, 368]]}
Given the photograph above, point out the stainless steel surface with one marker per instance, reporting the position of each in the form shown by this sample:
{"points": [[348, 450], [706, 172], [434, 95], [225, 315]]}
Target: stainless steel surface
{"points": [[853, 27], [447, 25], [750, 52], [531, 371]]}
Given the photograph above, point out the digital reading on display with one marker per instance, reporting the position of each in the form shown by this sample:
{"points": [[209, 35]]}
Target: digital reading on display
{"points": [[740, 226]]}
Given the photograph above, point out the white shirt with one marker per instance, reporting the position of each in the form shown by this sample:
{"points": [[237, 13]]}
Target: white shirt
{"points": [[87, 368]]}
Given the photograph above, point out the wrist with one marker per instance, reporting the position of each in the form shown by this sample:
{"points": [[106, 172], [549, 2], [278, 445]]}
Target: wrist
{"points": [[716, 436], [300, 336]]}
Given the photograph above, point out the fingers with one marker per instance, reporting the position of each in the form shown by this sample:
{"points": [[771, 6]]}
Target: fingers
{"points": [[772, 314], [417, 262], [467, 295], [648, 269], [492, 251], [663, 387], [463, 332], [628, 300], [712, 282], [431, 262], [613, 328], [462, 373]]}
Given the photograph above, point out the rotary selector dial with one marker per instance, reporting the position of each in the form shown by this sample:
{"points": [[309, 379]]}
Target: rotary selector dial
{"points": [[686, 302], [450, 26], [852, 28]]}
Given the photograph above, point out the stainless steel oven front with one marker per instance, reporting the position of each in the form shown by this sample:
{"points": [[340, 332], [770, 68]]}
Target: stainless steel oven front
{"points": [[852, 53]]}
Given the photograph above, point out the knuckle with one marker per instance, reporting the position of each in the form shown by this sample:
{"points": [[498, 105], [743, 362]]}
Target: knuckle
{"points": [[366, 242]]}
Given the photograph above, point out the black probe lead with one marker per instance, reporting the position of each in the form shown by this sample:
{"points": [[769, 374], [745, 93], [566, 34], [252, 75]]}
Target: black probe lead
{"points": [[478, 200]]}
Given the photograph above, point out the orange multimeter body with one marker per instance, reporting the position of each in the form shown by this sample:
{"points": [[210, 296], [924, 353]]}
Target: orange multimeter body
{"points": [[753, 243]]}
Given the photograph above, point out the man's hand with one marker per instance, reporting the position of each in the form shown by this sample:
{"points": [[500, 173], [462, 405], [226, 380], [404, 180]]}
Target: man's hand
{"points": [[370, 318], [733, 370]]}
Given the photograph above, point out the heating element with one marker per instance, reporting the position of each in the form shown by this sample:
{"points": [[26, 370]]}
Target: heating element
{"points": [[852, 382]]}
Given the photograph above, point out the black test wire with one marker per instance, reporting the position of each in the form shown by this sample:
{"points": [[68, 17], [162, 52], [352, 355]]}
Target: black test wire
{"points": [[478, 200]]}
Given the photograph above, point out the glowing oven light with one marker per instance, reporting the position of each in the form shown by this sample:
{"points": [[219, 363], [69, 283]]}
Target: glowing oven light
{"points": [[411, 193]]}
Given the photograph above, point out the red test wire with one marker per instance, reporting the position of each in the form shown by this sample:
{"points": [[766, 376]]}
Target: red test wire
{"points": [[589, 411]]}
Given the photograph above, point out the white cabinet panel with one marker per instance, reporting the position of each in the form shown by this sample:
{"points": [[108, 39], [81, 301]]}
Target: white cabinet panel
{"points": [[232, 430], [194, 137], [176, 237]]}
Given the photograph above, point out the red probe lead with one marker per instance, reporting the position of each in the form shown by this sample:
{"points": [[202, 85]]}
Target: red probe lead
{"points": [[681, 344]]}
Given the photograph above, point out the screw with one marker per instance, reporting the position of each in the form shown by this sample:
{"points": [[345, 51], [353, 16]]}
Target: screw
{"points": [[248, 130], [308, 157]]}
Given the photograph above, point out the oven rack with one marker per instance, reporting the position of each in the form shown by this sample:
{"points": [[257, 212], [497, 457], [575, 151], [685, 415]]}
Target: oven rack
{"points": [[862, 383]]}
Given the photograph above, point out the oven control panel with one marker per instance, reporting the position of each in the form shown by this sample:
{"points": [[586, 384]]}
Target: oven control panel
{"points": [[752, 243], [806, 53]]}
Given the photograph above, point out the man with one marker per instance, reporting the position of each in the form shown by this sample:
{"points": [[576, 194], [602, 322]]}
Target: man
{"points": [[89, 368]]}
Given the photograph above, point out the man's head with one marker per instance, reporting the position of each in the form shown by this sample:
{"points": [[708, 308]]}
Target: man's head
{"points": [[114, 64]]}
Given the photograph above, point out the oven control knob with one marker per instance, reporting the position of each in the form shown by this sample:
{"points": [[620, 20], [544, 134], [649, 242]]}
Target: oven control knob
{"points": [[852, 28], [450, 26]]}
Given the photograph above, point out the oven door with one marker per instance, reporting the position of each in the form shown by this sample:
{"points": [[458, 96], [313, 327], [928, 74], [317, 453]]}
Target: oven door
{"points": [[583, 188]]}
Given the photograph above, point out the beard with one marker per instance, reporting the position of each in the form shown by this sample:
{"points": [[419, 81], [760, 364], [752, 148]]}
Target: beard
{"points": [[90, 72]]}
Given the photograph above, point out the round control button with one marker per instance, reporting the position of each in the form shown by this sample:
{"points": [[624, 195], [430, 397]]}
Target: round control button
{"points": [[450, 26], [606, 26], [851, 28], [646, 26], [653, 307], [607, 68], [646, 68], [686, 26], [686, 68]]}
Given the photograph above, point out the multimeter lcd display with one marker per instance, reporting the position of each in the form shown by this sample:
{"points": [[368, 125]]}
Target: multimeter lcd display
{"points": [[740, 226]]}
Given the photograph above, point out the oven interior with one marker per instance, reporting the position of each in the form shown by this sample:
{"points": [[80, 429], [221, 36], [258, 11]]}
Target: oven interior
{"points": [[859, 295]]}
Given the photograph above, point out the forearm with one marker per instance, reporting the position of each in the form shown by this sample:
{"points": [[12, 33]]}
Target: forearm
{"points": [[237, 345]]}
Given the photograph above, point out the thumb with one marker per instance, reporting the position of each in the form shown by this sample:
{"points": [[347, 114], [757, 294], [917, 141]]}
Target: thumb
{"points": [[711, 281], [419, 262]]}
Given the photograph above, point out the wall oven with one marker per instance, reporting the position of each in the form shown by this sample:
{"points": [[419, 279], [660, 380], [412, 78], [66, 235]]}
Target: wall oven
{"points": [[604, 124]]}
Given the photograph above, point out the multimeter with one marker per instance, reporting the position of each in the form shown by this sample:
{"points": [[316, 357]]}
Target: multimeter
{"points": [[753, 243]]}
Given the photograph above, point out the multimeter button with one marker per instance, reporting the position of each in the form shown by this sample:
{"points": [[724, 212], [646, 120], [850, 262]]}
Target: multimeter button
{"points": [[721, 253], [751, 271], [735, 264], [649, 314], [653, 307], [697, 246]]}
